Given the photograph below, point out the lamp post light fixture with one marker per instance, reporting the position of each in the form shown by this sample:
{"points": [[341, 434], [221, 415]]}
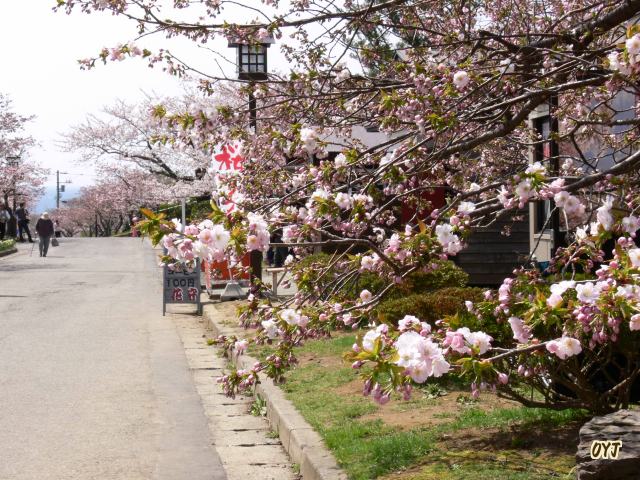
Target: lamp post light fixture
{"points": [[251, 59], [251, 65], [200, 173]]}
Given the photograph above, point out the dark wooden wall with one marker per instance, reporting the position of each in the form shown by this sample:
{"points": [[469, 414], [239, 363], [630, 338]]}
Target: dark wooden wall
{"points": [[491, 256]]}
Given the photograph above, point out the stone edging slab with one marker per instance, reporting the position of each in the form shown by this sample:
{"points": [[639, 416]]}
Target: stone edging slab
{"points": [[303, 444], [4, 253]]}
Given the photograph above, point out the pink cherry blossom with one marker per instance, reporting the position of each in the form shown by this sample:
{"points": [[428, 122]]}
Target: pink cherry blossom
{"points": [[521, 332], [588, 292], [366, 296], [634, 257], [461, 79], [564, 347]]}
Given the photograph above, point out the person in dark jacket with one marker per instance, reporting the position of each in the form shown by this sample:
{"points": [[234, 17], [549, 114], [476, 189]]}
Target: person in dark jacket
{"points": [[22, 214], [44, 227], [5, 218]]}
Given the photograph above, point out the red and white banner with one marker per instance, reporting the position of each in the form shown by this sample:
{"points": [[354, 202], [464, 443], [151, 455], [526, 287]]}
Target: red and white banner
{"points": [[227, 159]]}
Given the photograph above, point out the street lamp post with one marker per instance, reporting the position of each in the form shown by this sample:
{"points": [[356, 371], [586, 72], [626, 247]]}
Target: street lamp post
{"points": [[12, 227], [251, 63]]}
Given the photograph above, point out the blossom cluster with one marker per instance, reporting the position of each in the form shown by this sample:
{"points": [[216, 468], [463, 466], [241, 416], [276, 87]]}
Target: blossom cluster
{"points": [[628, 61], [450, 119], [212, 242], [416, 352]]}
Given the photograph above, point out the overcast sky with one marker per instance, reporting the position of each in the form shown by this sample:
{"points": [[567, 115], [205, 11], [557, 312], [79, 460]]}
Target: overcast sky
{"points": [[39, 50]]}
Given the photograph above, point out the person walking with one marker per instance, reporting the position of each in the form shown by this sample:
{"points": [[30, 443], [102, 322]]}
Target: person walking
{"points": [[134, 230], [22, 214], [5, 217], [44, 227]]}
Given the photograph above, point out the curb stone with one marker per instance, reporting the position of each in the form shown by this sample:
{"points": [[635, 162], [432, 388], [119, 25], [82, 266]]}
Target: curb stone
{"points": [[241, 440], [4, 253], [303, 444]]}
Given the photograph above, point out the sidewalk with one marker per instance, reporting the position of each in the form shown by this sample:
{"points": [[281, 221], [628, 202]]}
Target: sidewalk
{"points": [[245, 443], [299, 439]]}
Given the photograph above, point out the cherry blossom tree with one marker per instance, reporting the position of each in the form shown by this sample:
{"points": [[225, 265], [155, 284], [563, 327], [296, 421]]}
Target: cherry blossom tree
{"points": [[453, 86], [108, 207], [125, 133], [22, 178]]}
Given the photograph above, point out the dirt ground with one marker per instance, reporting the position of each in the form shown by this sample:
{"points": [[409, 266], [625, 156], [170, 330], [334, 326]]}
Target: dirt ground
{"points": [[421, 412], [541, 453]]}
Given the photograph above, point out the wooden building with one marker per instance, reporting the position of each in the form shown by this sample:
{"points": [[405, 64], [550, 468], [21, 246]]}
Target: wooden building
{"points": [[490, 256]]}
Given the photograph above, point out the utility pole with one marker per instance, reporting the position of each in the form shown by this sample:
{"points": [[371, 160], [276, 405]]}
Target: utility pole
{"points": [[59, 187]]}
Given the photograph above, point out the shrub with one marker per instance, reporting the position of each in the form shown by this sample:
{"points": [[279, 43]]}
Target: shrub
{"points": [[429, 307], [449, 304], [448, 274], [310, 277], [367, 281], [310, 273], [199, 210]]}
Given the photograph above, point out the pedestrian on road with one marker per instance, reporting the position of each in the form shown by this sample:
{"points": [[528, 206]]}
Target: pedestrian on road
{"points": [[56, 229], [5, 216], [22, 214], [44, 227], [134, 230]]}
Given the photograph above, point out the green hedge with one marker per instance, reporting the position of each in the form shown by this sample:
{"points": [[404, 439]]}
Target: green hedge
{"points": [[447, 302], [446, 275], [431, 306], [199, 210], [308, 274], [429, 296]]}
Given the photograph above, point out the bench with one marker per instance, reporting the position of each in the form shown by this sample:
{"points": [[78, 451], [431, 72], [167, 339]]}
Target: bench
{"points": [[275, 282]]}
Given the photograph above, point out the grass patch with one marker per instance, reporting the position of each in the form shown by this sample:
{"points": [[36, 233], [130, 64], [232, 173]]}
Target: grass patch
{"points": [[504, 417], [258, 407], [334, 347], [480, 465], [365, 449], [339, 343], [468, 440], [7, 244], [260, 351]]}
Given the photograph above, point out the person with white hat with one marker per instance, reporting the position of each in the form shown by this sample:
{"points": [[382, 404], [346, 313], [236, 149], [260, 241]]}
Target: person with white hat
{"points": [[45, 230]]}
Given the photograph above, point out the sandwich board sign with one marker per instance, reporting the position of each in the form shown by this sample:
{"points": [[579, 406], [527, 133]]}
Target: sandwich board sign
{"points": [[181, 287]]}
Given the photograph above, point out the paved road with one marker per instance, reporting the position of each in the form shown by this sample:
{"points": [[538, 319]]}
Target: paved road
{"points": [[94, 382]]}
